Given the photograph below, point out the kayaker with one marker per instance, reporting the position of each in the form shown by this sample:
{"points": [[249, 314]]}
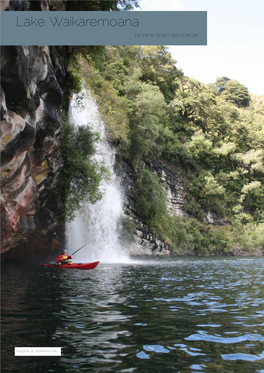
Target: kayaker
{"points": [[64, 258]]}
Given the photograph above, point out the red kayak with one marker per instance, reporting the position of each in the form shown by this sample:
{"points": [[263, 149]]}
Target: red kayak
{"points": [[73, 265]]}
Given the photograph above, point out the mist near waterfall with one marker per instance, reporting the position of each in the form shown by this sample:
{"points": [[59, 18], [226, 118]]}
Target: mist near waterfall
{"points": [[97, 226]]}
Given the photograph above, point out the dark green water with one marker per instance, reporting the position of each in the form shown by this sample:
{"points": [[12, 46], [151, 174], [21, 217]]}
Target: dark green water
{"points": [[181, 315]]}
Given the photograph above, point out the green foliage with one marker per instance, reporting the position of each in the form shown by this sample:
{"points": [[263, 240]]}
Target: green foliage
{"points": [[219, 85], [97, 5], [249, 235], [236, 93], [199, 146], [174, 149], [81, 175], [232, 91], [180, 233], [96, 55], [127, 229], [112, 106], [213, 134], [212, 187], [74, 83], [220, 240], [193, 103], [159, 68], [146, 113], [151, 201]]}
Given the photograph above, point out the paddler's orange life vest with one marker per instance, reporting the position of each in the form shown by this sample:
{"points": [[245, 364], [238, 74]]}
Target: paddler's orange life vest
{"points": [[62, 258]]}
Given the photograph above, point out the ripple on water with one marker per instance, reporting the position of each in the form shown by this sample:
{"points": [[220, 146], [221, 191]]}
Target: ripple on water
{"points": [[191, 353], [209, 325], [159, 317], [142, 355], [203, 336], [197, 367], [239, 356], [156, 348]]}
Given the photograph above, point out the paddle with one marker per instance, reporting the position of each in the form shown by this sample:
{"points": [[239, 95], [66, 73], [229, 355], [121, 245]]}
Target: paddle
{"points": [[77, 250]]}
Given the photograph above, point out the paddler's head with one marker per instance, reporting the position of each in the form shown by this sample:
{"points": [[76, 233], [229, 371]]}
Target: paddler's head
{"points": [[64, 252]]}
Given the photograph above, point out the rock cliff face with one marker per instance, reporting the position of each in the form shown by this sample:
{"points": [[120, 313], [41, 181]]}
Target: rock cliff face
{"points": [[173, 184], [44, 5], [31, 99], [146, 242]]}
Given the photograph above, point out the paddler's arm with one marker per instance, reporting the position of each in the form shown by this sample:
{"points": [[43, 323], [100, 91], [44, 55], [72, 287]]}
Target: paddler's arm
{"points": [[59, 258]]}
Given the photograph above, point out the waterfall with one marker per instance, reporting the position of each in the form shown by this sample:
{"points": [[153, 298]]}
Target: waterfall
{"points": [[96, 225]]}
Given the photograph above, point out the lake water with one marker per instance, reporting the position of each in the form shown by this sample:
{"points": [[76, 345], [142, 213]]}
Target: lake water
{"points": [[174, 315]]}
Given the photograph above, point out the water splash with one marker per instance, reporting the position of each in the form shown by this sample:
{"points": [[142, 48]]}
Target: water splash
{"points": [[97, 225]]}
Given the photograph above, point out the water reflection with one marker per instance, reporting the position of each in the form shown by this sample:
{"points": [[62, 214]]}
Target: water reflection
{"points": [[29, 299], [180, 315]]}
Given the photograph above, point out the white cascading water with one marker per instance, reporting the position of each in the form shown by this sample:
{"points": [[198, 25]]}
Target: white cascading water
{"points": [[97, 225]]}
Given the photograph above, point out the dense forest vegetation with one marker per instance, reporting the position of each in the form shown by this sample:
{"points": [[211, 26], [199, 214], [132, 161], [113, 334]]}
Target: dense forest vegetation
{"points": [[99, 5], [212, 134]]}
